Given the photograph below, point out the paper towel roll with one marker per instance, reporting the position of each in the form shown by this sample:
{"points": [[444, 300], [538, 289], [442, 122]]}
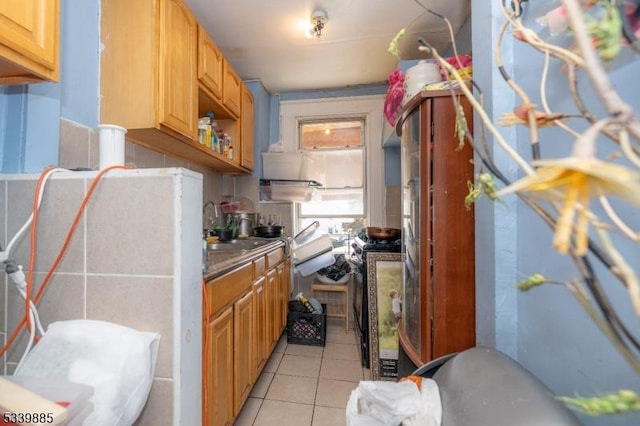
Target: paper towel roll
{"points": [[111, 138]]}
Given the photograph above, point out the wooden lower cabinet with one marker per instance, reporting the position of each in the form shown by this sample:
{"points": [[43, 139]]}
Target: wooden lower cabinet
{"points": [[272, 310], [245, 319], [260, 312], [243, 348], [220, 377], [284, 278]]}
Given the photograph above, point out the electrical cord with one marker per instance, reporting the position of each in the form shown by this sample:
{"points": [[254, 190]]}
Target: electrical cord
{"points": [[15, 273], [4, 255], [26, 319]]}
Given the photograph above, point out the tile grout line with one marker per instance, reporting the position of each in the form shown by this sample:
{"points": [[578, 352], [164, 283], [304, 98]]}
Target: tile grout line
{"points": [[322, 358], [315, 397]]}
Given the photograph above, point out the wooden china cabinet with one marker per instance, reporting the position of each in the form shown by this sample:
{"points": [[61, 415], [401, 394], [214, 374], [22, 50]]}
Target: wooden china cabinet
{"points": [[438, 231]]}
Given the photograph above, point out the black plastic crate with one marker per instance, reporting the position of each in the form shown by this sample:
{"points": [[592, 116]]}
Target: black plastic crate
{"points": [[306, 328]]}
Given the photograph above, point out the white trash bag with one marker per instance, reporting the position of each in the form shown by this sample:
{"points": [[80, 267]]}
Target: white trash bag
{"points": [[406, 403], [118, 362]]}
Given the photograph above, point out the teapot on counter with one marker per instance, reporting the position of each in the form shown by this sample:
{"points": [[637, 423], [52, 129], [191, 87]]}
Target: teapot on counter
{"points": [[246, 223]]}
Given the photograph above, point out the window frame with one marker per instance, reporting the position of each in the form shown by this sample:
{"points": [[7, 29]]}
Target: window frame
{"points": [[362, 147], [371, 108]]}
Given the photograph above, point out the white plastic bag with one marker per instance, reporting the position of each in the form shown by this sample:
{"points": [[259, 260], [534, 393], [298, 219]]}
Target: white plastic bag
{"points": [[117, 361], [380, 403]]}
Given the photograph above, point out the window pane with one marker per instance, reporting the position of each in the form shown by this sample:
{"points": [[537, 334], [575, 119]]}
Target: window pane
{"points": [[336, 152], [333, 134], [336, 202], [337, 168]]}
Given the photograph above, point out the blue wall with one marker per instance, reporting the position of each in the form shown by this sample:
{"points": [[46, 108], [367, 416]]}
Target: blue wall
{"points": [[545, 329], [30, 114], [81, 61], [263, 119]]}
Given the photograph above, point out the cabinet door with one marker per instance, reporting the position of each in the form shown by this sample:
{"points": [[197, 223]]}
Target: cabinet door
{"points": [[415, 313], [231, 89], [209, 64], [244, 347], [220, 370], [29, 38], [283, 295], [247, 132], [272, 313], [260, 325], [177, 62]]}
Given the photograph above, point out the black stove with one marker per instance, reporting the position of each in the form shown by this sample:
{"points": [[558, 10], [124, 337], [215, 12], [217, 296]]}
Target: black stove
{"points": [[361, 246]]}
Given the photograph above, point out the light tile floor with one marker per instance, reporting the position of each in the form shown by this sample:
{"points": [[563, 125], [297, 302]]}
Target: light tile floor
{"points": [[306, 385]]}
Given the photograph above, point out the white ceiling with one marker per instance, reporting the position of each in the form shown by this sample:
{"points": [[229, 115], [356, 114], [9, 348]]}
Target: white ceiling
{"points": [[264, 39]]}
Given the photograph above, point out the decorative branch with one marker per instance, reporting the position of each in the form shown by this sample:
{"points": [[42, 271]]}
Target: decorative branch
{"points": [[569, 183]]}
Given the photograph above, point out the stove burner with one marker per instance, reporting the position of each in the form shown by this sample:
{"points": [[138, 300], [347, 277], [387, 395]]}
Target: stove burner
{"points": [[367, 244]]}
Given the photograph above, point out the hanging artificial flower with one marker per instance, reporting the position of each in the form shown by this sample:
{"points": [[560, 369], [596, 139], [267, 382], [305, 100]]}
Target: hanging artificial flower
{"points": [[621, 402], [606, 31], [520, 115], [484, 185], [574, 180]]}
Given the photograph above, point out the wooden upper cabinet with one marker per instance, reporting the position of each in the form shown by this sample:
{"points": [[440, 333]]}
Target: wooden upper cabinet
{"points": [[178, 41], [29, 41], [147, 71], [231, 88], [247, 135], [209, 64], [160, 72]]}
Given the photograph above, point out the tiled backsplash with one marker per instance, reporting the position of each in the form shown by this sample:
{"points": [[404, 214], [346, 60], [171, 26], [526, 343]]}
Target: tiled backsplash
{"points": [[79, 149], [134, 260]]}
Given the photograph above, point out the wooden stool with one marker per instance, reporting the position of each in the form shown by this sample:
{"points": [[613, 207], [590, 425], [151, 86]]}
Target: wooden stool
{"points": [[343, 312]]}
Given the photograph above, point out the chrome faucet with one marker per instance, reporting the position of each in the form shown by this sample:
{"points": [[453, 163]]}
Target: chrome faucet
{"points": [[207, 204], [213, 218]]}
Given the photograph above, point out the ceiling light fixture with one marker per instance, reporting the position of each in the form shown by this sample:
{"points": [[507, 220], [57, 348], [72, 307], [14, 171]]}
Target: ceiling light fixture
{"points": [[319, 18]]}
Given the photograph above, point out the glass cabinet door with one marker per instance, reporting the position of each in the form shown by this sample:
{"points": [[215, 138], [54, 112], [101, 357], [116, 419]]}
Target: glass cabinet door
{"points": [[437, 231], [411, 193]]}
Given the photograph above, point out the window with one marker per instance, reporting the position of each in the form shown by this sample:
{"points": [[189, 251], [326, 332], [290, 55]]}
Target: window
{"points": [[340, 216], [336, 152]]}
